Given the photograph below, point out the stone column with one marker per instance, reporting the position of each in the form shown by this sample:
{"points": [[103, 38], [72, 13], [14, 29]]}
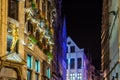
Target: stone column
{"points": [[21, 17], [3, 26]]}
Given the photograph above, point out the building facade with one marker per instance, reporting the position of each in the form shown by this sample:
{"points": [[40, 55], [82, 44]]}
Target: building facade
{"points": [[111, 22], [105, 40], [30, 34], [79, 66], [76, 62]]}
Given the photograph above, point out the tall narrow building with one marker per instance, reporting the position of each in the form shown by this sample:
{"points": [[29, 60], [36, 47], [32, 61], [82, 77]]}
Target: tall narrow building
{"points": [[111, 40], [31, 40], [105, 40]]}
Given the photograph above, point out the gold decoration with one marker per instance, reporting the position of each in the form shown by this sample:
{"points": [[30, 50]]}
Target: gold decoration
{"points": [[15, 36]]}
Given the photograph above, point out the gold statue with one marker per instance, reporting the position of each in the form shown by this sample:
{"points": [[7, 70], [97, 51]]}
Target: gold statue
{"points": [[15, 37]]}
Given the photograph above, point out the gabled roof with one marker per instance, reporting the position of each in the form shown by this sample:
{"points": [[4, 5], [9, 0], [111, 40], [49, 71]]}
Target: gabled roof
{"points": [[72, 42]]}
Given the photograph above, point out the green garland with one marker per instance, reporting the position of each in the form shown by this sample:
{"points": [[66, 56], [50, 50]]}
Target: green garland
{"points": [[33, 39], [50, 56], [33, 4]]}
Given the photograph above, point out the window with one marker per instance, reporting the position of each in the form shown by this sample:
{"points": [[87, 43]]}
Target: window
{"points": [[37, 66], [79, 63], [72, 49], [28, 74], [13, 9], [30, 27], [72, 63], [29, 61], [67, 49], [48, 72], [79, 76], [9, 42], [67, 64], [37, 69], [72, 76]]}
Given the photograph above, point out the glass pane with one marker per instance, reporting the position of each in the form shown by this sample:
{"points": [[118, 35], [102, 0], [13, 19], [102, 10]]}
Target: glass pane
{"points": [[28, 75], [79, 61], [37, 66], [48, 72], [29, 61], [72, 63]]}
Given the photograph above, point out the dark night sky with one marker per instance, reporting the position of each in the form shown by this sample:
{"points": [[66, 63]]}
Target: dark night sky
{"points": [[83, 19]]}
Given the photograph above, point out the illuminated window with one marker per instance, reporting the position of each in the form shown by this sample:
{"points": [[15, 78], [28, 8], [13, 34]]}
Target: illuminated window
{"points": [[29, 66], [29, 74], [48, 72], [37, 66], [72, 76], [37, 69], [72, 49], [13, 9], [72, 63], [79, 63], [29, 61], [79, 76]]}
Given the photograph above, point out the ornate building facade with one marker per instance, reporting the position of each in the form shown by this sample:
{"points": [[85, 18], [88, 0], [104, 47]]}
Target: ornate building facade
{"points": [[31, 40]]}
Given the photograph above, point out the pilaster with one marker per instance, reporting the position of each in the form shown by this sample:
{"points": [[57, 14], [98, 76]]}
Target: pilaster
{"points": [[3, 26]]}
